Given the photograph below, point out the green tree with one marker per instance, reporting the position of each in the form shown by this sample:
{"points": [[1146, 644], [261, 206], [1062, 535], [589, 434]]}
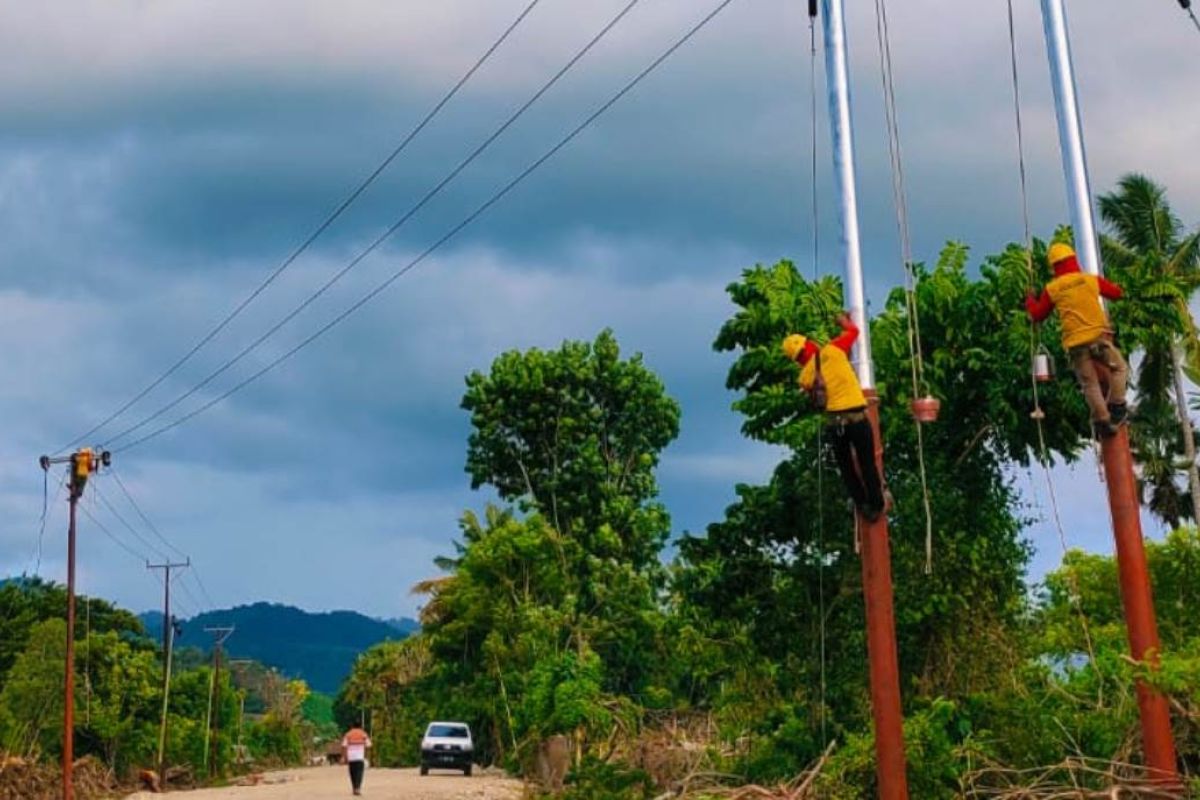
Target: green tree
{"points": [[25, 602], [384, 684], [785, 551], [576, 434], [1150, 253], [31, 706]]}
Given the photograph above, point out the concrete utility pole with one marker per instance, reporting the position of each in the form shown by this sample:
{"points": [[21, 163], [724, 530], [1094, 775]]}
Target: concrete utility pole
{"points": [[876, 551], [83, 463], [168, 648], [1136, 594], [212, 723]]}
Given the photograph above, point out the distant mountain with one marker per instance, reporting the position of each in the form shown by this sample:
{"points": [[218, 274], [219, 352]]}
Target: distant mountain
{"points": [[405, 625], [152, 622], [318, 647]]}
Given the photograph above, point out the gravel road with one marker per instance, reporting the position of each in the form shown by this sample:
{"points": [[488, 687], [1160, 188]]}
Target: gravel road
{"points": [[327, 783]]}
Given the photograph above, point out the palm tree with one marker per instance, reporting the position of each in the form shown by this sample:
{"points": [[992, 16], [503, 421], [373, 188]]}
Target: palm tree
{"points": [[1148, 249]]}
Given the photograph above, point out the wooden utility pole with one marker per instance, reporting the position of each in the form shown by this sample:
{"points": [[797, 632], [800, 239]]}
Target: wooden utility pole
{"points": [[168, 639], [212, 724], [83, 463]]}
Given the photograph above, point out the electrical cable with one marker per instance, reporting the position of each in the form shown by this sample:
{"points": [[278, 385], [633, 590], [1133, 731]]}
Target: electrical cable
{"points": [[449, 235], [197, 607], [387, 234], [37, 569], [139, 557], [329, 220], [1186, 5], [112, 510], [193, 570], [138, 509]]}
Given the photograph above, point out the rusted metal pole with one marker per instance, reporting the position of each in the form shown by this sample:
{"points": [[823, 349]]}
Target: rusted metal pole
{"points": [[881, 640], [1137, 598], [1136, 595]]}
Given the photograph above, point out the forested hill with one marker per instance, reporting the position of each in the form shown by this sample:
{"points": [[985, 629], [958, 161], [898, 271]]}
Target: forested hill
{"points": [[318, 647]]}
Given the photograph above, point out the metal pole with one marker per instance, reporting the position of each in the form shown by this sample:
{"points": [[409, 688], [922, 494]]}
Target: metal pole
{"points": [[68, 746], [876, 555], [837, 71], [1136, 594], [1070, 134], [1138, 600]]}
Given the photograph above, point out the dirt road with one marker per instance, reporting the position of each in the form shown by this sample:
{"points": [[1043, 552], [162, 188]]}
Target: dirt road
{"points": [[332, 783]]}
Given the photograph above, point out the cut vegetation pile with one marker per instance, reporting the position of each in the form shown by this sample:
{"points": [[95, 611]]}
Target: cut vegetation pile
{"points": [[21, 779]]}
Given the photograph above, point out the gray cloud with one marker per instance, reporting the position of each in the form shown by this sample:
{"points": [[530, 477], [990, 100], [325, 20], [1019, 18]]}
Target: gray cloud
{"points": [[157, 161]]}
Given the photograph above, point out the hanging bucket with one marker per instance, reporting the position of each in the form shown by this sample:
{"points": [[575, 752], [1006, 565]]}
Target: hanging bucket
{"points": [[1043, 366], [925, 409]]}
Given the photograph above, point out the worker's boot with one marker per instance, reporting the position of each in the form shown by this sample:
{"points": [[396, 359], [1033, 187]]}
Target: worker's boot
{"points": [[1118, 413], [1104, 429]]}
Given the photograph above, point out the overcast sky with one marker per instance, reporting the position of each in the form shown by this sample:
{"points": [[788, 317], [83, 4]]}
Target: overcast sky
{"points": [[158, 160]]}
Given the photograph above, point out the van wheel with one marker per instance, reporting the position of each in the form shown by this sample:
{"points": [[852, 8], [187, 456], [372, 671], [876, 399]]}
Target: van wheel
{"points": [[467, 770], [424, 770]]}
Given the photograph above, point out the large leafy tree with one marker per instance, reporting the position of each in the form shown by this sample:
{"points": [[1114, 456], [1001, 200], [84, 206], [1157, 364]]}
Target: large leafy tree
{"points": [[576, 434], [1149, 251], [25, 602]]}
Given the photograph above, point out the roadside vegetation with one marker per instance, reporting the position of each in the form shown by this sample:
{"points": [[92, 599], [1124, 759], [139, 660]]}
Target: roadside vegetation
{"points": [[741, 659]]}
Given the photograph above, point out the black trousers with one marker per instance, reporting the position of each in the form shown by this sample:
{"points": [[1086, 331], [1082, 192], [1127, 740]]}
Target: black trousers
{"points": [[854, 442], [356, 774]]}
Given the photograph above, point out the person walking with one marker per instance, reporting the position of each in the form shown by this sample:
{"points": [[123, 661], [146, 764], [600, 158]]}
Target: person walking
{"points": [[1087, 335], [354, 752], [827, 375]]}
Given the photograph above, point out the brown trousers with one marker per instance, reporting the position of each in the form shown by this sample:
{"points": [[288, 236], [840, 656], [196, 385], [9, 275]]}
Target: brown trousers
{"points": [[1084, 359]]}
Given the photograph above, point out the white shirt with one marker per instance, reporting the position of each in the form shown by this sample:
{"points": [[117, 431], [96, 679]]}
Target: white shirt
{"points": [[356, 750]]}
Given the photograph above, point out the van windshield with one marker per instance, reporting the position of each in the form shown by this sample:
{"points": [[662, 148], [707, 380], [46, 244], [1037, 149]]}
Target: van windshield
{"points": [[449, 731]]}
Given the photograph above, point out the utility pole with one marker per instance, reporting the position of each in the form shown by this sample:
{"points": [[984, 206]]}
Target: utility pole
{"points": [[168, 647], [876, 551], [240, 662], [1136, 595], [212, 724], [83, 463]]}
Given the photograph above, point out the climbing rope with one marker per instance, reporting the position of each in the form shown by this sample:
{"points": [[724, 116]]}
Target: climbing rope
{"points": [[899, 197], [1038, 414]]}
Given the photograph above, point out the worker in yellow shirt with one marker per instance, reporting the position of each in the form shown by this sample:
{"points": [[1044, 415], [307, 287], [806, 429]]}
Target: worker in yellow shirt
{"points": [[1087, 335], [827, 375]]}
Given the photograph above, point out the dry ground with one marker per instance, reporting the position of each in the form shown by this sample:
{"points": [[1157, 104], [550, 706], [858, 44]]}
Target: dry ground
{"points": [[330, 783]]}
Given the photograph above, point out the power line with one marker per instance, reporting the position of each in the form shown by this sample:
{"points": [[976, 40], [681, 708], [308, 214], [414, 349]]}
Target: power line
{"points": [[391, 231], [453, 232], [329, 220], [140, 557], [146, 542], [203, 589], [37, 569], [137, 508], [194, 571]]}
